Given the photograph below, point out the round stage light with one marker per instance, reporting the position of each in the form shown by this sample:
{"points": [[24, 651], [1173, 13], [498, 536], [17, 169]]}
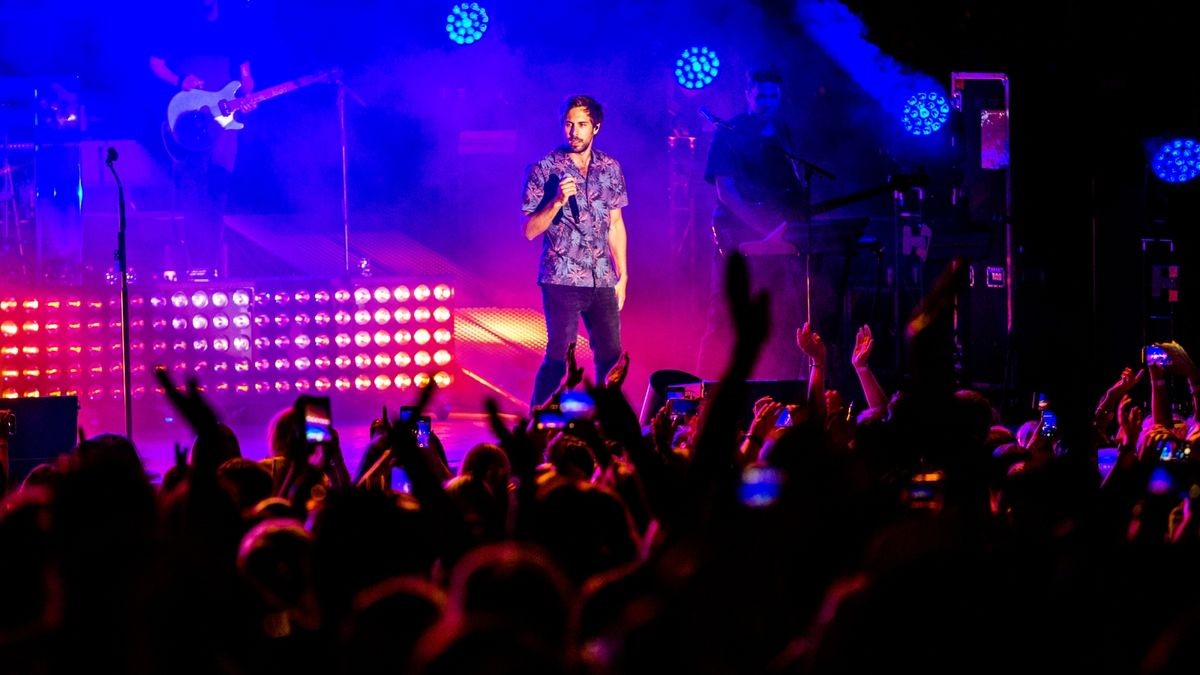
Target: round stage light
{"points": [[466, 23], [302, 296], [302, 319], [362, 338], [383, 360], [199, 322], [421, 380], [421, 358], [322, 362], [422, 314], [382, 382], [342, 361], [179, 300], [442, 336], [282, 298], [441, 315], [282, 320], [383, 338], [362, 361], [402, 315], [382, 316], [8, 328], [322, 319], [303, 385], [362, 317], [696, 67], [342, 384], [221, 344], [220, 299], [403, 381], [241, 343], [240, 298], [262, 365], [200, 299], [322, 384], [441, 357], [442, 292], [363, 382], [302, 341], [282, 364], [382, 294], [283, 342], [1177, 160], [241, 366], [179, 323], [402, 337], [403, 360], [401, 293], [342, 340], [200, 345], [361, 296], [925, 113], [321, 341], [342, 318], [421, 337], [241, 321], [220, 322], [342, 295], [302, 363]]}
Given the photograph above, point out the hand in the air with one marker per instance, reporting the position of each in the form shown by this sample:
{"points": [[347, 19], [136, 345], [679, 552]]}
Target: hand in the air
{"points": [[863, 344], [810, 343]]}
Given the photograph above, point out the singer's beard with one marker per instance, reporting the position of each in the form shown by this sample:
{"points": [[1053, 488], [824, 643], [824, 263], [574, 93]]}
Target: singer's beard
{"points": [[578, 145]]}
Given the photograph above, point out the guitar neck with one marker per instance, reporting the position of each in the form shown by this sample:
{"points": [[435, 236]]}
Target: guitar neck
{"points": [[278, 90]]}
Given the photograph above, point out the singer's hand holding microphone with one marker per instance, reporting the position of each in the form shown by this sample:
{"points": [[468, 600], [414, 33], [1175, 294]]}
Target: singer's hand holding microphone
{"points": [[566, 195]]}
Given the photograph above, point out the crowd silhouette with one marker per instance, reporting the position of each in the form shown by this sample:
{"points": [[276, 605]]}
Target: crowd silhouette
{"points": [[921, 534]]}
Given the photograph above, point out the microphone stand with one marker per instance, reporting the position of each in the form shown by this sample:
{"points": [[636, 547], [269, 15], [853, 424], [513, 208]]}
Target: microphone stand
{"points": [[343, 90], [123, 269], [809, 170]]}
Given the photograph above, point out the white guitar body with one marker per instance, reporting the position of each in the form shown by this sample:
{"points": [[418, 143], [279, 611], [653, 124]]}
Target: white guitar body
{"points": [[216, 103]]}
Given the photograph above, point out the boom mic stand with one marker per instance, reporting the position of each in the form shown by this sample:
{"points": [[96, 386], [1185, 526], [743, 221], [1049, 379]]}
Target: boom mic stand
{"points": [[123, 269], [342, 92], [805, 175]]}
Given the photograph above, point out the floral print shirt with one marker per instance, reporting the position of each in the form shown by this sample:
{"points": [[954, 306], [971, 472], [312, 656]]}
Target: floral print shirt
{"points": [[575, 249]]}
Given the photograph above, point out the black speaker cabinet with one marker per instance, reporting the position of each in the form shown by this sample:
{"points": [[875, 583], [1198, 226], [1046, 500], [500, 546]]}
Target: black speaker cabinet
{"points": [[41, 429]]}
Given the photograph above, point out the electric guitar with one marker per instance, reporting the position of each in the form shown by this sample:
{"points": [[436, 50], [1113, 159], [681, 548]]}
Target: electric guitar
{"points": [[731, 234], [194, 116]]}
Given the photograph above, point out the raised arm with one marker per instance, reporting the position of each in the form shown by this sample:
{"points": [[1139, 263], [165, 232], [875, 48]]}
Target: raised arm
{"points": [[811, 344], [872, 390]]}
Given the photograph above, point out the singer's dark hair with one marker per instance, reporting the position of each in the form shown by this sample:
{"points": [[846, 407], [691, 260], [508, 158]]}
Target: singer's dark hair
{"points": [[591, 105], [764, 73]]}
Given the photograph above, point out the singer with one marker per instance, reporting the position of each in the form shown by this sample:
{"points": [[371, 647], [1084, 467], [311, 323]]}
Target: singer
{"points": [[573, 197]]}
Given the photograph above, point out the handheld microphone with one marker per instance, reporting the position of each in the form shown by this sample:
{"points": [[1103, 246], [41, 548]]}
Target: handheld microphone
{"points": [[111, 156], [574, 205]]}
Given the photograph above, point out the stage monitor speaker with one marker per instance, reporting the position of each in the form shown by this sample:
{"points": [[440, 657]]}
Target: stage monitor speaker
{"points": [[656, 391], [788, 392], [42, 429]]}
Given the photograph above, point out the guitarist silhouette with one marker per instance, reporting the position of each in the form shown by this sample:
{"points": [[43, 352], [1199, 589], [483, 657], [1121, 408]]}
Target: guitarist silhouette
{"points": [[202, 51]]}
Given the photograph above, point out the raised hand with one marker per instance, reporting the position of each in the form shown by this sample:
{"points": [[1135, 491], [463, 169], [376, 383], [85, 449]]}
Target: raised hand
{"points": [[810, 343], [574, 372], [751, 314], [863, 344], [618, 373], [192, 405], [1180, 363]]}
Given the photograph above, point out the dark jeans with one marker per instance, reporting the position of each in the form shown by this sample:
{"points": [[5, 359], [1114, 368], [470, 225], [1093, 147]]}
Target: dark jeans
{"points": [[563, 306]]}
